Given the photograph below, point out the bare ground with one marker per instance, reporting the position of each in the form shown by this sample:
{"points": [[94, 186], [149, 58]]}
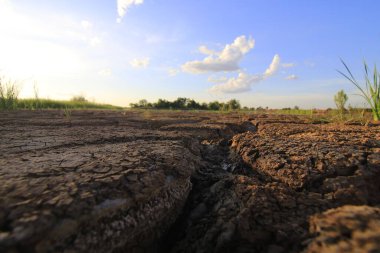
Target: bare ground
{"points": [[108, 181]]}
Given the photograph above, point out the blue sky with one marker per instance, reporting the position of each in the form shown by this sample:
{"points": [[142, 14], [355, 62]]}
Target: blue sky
{"points": [[264, 53]]}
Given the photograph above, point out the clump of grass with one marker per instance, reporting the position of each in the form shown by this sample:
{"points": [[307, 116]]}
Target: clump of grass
{"points": [[9, 92], [67, 113], [358, 115], [371, 92]]}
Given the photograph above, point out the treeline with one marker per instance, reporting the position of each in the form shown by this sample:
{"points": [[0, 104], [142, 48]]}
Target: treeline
{"points": [[187, 104]]}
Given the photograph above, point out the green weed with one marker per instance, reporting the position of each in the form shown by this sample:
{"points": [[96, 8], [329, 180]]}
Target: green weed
{"points": [[371, 92]]}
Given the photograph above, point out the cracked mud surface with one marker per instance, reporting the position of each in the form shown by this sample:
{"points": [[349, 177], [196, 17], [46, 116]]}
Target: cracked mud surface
{"points": [[148, 181]]}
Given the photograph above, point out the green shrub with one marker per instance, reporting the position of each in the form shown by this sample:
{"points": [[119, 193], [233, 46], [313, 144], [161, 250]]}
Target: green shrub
{"points": [[340, 100]]}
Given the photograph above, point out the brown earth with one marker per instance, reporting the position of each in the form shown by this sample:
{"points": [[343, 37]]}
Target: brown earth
{"points": [[151, 181]]}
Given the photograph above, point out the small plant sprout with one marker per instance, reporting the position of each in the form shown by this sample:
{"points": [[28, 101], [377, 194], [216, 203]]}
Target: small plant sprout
{"points": [[340, 100], [371, 92], [67, 113]]}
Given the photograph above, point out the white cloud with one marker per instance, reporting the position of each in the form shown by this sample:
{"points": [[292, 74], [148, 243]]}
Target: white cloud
{"points": [[140, 63], [291, 77], [213, 79], [86, 24], [241, 83], [123, 5], [95, 41], [226, 60], [244, 81], [206, 51], [105, 72], [173, 71], [273, 67], [288, 65]]}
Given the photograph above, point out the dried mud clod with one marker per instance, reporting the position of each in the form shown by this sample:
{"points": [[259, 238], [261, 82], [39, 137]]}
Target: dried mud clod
{"points": [[184, 182], [346, 229]]}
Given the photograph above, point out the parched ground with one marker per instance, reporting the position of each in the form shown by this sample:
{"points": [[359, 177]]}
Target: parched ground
{"points": [[153, 181]]}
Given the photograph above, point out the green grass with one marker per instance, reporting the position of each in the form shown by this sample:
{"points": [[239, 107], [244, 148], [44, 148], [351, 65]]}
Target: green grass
{"points": [[36, 104], [9, 91], [371, 92], [294, 112]]}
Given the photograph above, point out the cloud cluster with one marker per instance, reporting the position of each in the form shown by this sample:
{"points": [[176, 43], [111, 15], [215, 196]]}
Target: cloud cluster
{"points": [[124, 5], [244, 81], [140, 63], [291, 77], [227, 59], [241, 83]]}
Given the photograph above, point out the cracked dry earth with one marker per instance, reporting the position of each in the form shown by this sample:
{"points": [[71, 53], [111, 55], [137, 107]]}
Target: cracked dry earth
{"points": [[108, 181]]}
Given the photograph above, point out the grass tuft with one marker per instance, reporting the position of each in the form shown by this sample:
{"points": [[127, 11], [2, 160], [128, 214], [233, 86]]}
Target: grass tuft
{"points": [[371, 92], [8, 94]]}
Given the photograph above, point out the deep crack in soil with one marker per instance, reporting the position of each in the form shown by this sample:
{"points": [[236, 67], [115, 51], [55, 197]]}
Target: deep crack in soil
{"points": [[186, 182]]}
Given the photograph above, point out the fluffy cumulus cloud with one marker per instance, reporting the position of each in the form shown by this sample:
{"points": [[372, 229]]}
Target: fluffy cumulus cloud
{"points": [[291, 77], [124, 5], [238, 84], [243, 82], [140, 63], [227, 59]]}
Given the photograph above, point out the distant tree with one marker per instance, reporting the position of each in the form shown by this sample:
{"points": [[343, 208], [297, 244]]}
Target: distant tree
{"points": [[204, 106], [179, 103], [296, 107], [162, 104], [260, 109], [340, 100], [187, 103], [215, 106], [79, 98], [193, 105], [233, 104], [133, 105], [143, 103]]}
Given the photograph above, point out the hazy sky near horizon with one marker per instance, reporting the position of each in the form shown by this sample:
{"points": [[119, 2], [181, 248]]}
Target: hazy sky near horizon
{"points": [[264, 53]]}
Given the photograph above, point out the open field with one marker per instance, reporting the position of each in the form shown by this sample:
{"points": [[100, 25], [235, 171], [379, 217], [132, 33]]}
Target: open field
{"points": [[161, 181]]}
